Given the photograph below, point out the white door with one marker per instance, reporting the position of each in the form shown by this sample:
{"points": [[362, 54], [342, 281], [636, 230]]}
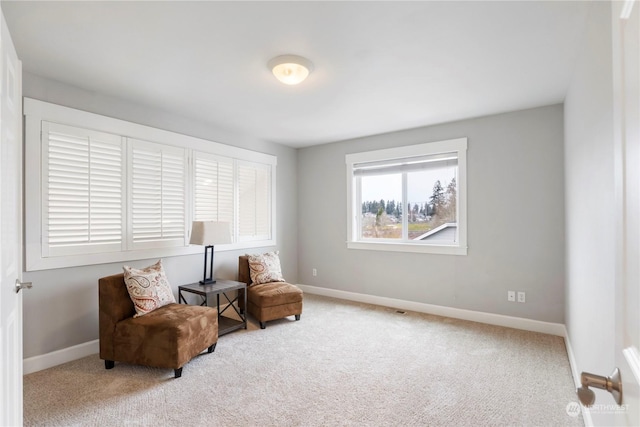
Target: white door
{"points": [[10, 231], [626, 79]]}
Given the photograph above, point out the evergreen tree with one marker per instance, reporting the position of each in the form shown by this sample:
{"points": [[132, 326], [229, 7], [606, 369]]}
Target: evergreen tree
{"points": [[391, 207], [451, 202], [451, 189], [437, 199], [379, 216]]}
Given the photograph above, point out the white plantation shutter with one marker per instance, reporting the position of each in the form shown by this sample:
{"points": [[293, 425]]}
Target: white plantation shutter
{"points": [[102, 190], [213, 188], [254, 204], [157, 194], [82, 191]]}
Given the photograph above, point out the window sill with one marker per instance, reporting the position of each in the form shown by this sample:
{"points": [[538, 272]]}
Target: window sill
{"points": [[408, 247], [35, 263]]}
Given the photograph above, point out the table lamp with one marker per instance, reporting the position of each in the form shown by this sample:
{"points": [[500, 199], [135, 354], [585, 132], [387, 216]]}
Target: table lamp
{"points": [[208, 234]]}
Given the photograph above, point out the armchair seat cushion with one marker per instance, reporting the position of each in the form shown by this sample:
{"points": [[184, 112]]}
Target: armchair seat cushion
{"points": [[275, 293], [168, 335]]}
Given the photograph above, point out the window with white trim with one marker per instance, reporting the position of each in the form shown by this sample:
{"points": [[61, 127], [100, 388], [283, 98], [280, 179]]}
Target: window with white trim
{"points": [[213, 183], [254, 200], [410, 198], [104, 190], [82, 188], [157, 194]]}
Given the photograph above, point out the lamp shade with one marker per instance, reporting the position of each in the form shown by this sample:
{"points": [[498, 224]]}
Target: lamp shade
{"points": [[210, 233]]}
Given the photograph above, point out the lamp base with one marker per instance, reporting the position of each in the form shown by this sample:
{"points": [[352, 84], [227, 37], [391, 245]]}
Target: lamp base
{"points": [[208, 280]]}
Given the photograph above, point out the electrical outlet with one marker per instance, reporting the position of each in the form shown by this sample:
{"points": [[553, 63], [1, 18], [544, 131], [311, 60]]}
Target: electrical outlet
{"points": [[511, 296], [314, 272], [522, 297]]}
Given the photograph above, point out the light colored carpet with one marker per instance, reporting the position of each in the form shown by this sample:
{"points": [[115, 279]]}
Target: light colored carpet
{"points": [[343, 363]]}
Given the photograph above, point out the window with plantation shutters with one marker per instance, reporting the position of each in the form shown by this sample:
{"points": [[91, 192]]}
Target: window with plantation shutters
{"points": [[157, 190], [102, 190], [213, 188], [82, 191], [254, 201]]}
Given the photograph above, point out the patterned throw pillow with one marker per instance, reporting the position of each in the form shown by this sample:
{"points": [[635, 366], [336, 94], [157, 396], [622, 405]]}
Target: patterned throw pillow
{"points": [[265, 268], [148, 288]]}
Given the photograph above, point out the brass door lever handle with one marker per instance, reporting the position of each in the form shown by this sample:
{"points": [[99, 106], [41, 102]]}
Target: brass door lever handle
{"points": [[612, 383]]}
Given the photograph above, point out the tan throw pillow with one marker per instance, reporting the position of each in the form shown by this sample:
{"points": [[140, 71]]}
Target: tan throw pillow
{"points": [[265, 268], [148, 288]]}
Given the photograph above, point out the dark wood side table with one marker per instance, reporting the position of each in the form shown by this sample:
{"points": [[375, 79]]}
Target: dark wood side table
{"points": [[221, 287]]}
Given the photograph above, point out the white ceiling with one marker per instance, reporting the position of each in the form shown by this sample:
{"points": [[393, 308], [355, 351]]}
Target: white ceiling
{"points": [[379, 66]]}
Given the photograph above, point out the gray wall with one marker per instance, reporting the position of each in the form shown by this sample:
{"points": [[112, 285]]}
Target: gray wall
{"points": [[515, 220], [62, 308], [590, 202]]}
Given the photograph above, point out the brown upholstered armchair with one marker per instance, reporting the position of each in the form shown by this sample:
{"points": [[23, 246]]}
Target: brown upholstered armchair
{"points": [[269, 301], [167, 337]]}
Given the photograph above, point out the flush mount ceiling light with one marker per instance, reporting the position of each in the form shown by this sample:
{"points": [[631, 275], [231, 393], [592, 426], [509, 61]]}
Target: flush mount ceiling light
{"points": [[290, 69]]}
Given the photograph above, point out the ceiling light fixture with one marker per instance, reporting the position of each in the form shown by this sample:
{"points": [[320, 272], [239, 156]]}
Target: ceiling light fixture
{"points": [[290, 69]]}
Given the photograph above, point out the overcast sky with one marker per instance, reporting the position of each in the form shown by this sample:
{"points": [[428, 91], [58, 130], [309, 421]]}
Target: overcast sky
{"points": [[420, 185]]}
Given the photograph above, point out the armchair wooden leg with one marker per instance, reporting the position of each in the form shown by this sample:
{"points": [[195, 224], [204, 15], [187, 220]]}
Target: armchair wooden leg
{"points": [[212, 348], [109, 364], [263, 325], [178, 372], [297, 317]]}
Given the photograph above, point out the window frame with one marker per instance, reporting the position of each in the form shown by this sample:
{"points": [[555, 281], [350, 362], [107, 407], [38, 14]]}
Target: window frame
{"points": [[36, 112], [255, 166], [205, 157], [135, 144], [90, 136], [354, 202]]}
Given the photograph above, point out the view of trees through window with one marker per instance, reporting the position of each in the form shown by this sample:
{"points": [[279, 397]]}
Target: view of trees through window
{"points": [[409, 198], [426, 210]]}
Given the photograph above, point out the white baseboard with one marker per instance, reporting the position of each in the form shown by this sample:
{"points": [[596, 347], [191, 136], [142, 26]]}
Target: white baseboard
{"points": [[439, 310], [58, 357], [572, 359], [586, 414], [44, 361]]}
